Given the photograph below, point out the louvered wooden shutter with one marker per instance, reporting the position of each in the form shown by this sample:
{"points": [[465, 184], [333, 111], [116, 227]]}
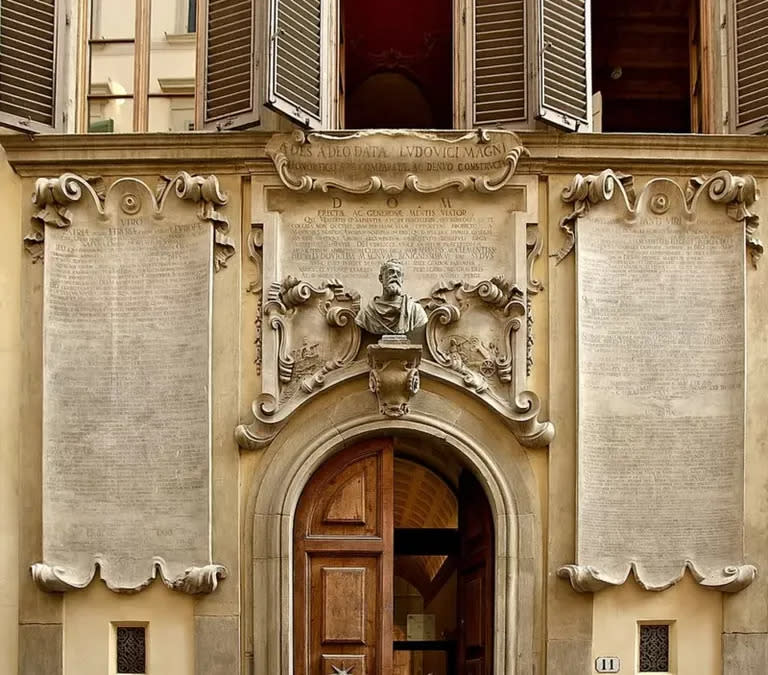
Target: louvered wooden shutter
{"points": [[28, 79], [229, 63], [499, 55], [565, 64], [751, 68], [296, 60]]}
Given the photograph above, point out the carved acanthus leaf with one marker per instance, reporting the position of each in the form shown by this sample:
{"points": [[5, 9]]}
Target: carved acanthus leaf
{"points": [[739, 194], [205, 191]]}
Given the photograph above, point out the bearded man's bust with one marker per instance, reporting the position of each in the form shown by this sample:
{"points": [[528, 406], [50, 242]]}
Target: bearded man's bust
{"points": [[392, 312]]}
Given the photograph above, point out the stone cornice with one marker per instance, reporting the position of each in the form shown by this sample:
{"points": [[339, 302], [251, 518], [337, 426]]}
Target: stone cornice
{"points": [[245, 152]]}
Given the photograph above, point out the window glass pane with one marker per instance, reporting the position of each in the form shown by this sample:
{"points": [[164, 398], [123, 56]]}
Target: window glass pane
{"points": [[110, 115], [113, 19], [111, 69], [171, 113], [172, 58]]}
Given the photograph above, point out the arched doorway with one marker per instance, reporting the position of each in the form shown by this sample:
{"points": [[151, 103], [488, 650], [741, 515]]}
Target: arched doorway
{"points": [[393, 568]]}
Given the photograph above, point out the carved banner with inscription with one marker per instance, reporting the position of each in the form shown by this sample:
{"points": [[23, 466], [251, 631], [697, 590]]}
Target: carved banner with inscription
{"points": [[661, 380], [127, 400], [393, 160]]}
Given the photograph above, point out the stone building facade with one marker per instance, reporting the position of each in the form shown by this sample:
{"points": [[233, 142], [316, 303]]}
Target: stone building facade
{"points": [[475, 389]]}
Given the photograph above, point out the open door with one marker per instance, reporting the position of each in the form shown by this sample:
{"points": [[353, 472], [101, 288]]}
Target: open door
{"points": [[343, 539], [475, 579]]}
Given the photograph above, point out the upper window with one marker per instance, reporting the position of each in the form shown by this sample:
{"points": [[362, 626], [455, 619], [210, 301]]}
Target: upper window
{"points": [[646, 66], [141, 65], [386, 63]]}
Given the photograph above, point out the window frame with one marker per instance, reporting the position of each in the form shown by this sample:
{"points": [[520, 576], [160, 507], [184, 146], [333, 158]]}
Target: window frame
{"points": [[142, 53]]}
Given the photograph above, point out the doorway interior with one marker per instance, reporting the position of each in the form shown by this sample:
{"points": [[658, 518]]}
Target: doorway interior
{"points": [[393, 567]]}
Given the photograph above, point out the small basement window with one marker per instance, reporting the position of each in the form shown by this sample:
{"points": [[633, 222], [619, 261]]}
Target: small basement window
{"points": [[646, 65], [131, 650], [396, 64], [653, 650]]}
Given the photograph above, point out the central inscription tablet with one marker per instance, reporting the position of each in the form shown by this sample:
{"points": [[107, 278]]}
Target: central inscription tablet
{"points": [[450, 236]]}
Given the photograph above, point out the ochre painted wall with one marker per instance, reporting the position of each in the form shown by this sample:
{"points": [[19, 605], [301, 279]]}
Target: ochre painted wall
{"points": [[10, 386], [89, 635], [696, 615]]}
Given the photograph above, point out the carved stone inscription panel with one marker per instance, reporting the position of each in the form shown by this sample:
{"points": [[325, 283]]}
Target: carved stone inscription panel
{"points": [[438, 237], [127, 390], [661, 321]]}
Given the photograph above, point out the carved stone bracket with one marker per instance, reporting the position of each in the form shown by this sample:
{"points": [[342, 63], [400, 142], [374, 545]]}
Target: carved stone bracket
{"points": [[54, 196], [737, 193], [394, 375], [588, 579], [392, 161], [194, 580]]}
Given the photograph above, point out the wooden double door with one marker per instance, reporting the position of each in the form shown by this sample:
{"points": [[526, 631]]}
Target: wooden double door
{"points": [[345, 551]]}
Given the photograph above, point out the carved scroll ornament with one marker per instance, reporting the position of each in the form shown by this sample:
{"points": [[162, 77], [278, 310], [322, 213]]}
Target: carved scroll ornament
{"points": [[392, 161], [315, 334], [588, 579], [474, 335], [737, 193], [459, 312], [194, 580], [53, 196]]}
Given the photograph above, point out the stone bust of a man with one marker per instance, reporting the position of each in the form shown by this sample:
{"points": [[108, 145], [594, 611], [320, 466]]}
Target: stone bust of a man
{"points": [[392, 312]]}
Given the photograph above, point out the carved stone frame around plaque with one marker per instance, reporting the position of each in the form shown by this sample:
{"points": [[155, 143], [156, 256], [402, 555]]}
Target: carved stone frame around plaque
{"points": [[647, 425], [479, 333], [91, 421]]}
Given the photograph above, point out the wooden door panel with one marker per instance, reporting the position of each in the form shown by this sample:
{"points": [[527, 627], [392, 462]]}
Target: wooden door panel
{"points": [[342, 500], [343, 540], [472, 585], [342, 602], [475, 580]]}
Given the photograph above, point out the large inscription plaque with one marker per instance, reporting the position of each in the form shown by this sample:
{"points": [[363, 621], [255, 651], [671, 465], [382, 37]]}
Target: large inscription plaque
{"points": [[437, 237], [127, 421], [661, 398]]}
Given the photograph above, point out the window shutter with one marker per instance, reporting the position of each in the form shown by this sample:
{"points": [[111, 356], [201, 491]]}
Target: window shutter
{"points": [[229, 64], [28, 80], [751, 74], [565, 64], [499, 58], [296, 60]]}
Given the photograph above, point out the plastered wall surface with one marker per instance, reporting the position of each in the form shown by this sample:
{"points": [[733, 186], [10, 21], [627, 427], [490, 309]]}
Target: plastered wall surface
{"points": [[695, 615], [91, 615], [10, 382]]}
